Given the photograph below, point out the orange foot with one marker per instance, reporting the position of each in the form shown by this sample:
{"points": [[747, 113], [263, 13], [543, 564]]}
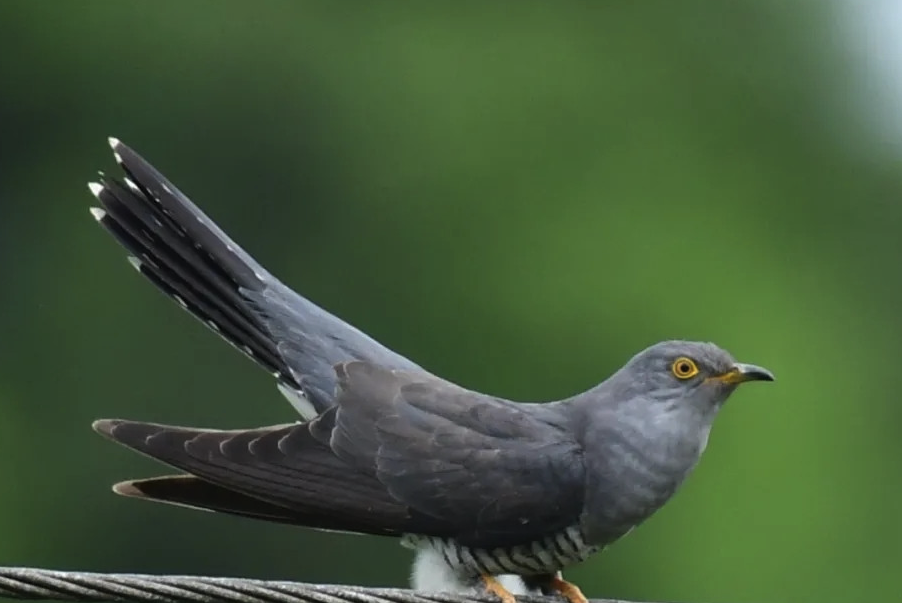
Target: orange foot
{"points": [[493, 586], [569, 591]]}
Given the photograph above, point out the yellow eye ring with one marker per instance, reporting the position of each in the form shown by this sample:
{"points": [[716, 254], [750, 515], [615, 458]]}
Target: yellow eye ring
{"points": [[684, 368]]}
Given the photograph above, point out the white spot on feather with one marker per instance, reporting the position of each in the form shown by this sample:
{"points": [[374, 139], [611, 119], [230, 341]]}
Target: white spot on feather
{"points": [[132, 185], [298, 401], [96, 188]]}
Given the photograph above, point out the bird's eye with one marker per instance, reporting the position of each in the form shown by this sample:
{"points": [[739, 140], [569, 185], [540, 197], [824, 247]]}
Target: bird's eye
{"points": [[684, 368]]}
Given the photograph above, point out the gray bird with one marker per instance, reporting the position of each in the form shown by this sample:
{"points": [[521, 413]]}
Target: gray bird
{"points": [[479, 486]]}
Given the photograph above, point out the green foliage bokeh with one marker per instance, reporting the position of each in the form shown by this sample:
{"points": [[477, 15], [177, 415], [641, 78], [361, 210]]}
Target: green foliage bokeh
{"points": [[519, 197]]}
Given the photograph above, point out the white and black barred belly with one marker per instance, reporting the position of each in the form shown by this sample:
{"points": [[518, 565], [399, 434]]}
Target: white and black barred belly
{"points": [[545, 556]]}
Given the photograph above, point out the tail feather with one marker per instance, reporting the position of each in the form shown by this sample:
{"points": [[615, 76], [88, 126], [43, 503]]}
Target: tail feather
{"points": [[177, 270], [181, 251]]}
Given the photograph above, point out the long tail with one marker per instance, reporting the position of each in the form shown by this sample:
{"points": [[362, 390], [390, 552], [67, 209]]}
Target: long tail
{"points": [[183, 253]]}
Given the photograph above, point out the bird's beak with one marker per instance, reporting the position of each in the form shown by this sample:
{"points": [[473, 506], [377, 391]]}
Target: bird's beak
{"points": [[740, 373]]}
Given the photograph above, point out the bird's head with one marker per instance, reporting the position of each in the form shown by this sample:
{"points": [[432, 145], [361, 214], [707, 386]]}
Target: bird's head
{"points": [[688, 374]]}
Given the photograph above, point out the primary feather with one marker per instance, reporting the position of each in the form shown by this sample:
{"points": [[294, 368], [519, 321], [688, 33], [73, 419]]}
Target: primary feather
{"points": [[399, 452]]}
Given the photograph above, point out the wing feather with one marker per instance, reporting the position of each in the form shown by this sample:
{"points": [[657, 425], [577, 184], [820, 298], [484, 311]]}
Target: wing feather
{"points": [[400, 452], [500, 472]]}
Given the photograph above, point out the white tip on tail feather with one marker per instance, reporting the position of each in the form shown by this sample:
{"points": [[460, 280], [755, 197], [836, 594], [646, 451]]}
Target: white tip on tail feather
{"points": [[132, 185]]}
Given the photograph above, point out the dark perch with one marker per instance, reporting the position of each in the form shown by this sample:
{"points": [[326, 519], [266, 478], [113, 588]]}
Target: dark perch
{"points": [[31, 583]]}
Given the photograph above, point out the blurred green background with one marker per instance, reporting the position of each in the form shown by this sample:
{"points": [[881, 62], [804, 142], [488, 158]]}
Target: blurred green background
{"points": [[517, 196]]}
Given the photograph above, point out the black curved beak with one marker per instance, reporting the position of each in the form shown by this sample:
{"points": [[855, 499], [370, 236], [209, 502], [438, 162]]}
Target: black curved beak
{"points": [[740, 373]]}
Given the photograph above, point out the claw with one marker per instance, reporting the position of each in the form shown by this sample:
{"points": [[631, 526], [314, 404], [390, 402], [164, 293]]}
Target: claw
{"points": [[568, 590], [493, 586]]}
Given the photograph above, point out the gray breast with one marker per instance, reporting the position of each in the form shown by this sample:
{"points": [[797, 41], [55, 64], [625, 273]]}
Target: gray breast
{"points": [[544, 556], [632, 476]]}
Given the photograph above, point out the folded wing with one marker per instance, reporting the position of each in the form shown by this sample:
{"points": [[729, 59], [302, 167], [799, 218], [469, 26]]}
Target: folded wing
{"points": [[401, 452]]}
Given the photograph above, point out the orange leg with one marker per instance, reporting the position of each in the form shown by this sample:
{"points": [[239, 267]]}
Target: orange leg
{"points": [[493, 586], [569, 591]]}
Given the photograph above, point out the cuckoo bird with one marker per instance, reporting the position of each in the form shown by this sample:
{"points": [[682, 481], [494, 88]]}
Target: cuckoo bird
{"points": [[492, 494]]}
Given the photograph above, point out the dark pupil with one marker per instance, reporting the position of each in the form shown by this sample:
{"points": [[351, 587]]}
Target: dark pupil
{"points": [[683, 368]]}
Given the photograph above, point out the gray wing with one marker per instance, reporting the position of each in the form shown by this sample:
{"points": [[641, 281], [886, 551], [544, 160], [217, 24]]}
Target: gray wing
{"points": [[502, 473], [279, 473], [401, 452], [193, 261]]}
